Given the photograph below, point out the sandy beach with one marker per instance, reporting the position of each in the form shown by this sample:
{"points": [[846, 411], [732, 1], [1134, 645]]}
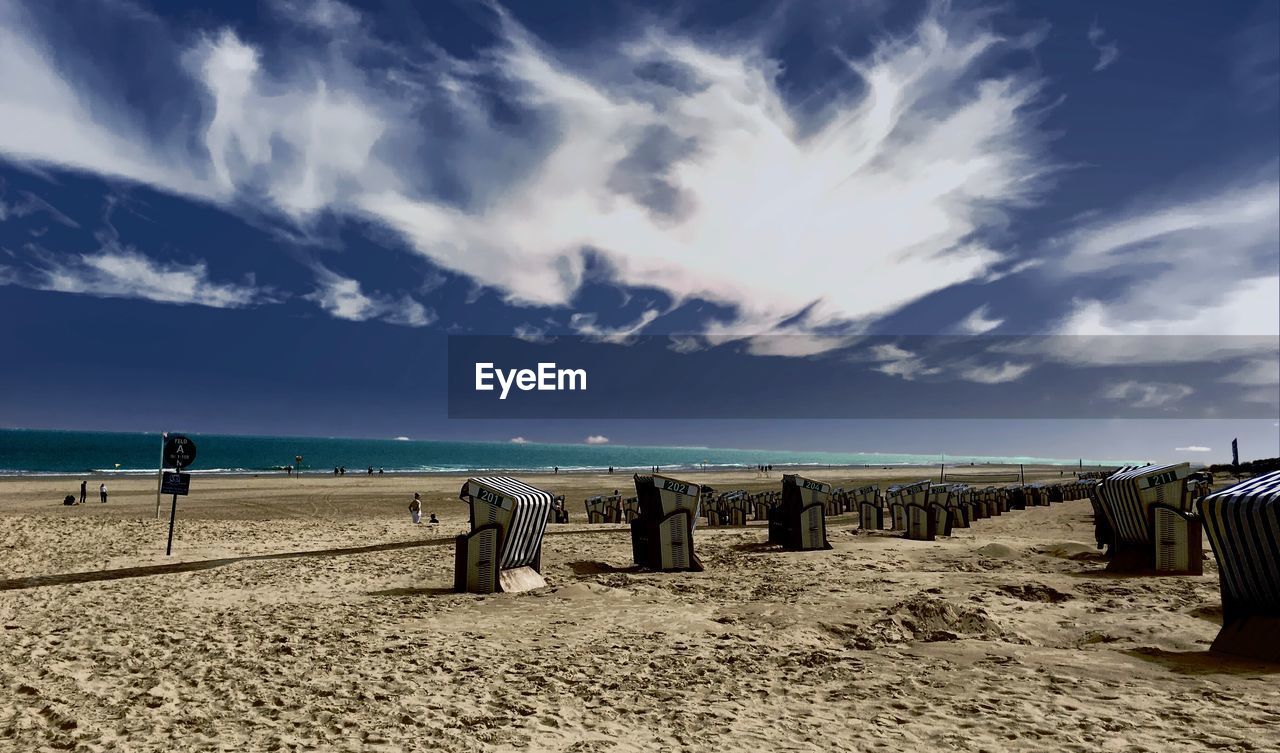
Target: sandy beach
{"points": [[311, 614]]}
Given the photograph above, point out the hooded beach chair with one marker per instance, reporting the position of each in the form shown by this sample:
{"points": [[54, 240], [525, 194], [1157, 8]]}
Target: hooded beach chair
{"points": [[1243, 525], [800, 522], [1153, 528], [662, 535], [938, 499], [740, 507], [630, 509], [870, 511], [909, 506], [503, 552], [597, 509]]}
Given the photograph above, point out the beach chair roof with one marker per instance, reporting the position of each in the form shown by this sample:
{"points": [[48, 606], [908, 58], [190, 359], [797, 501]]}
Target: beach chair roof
{"points": [[1127, 474], [507, 487], [1261, 488]]}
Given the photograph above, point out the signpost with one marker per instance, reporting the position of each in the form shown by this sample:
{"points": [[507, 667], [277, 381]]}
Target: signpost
{"points": [[179, 452], [178, 484]]}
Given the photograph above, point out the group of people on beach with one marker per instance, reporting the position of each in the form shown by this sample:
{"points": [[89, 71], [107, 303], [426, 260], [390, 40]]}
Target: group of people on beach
{"points": [[415, 510], [84, 494]]}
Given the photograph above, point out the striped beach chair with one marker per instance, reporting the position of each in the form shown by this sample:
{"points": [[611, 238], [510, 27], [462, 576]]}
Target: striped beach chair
{"points": [[503, 551], [1153, 527], [800, 520], [1243, 526], [662, 535]]}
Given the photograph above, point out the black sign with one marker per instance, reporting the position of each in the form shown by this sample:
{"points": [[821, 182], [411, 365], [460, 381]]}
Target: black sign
{"points": [[179, 452], [175, 483]]}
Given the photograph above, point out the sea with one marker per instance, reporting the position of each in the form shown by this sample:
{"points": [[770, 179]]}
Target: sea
{"points": [[42, 452]]}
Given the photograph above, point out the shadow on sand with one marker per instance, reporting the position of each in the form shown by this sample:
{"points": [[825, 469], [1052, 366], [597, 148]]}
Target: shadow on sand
{"points": [[433, 591], [1204, 662], [593, 567], [92, 576]]}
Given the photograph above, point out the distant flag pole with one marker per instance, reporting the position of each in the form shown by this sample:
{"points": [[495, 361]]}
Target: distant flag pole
{"points": [[160, 471]]}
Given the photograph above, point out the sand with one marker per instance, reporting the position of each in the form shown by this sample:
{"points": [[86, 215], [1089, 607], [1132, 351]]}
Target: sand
{"points": [[313, 615]]}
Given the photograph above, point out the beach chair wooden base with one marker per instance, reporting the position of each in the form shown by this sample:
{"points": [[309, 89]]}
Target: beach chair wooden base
{"points": [[1129, 557], [870, 517], [665, 545], [922, 523], [475, 564], [1252, 637], [1178, 542], [898, 514], [802, 531], [520, 579]]}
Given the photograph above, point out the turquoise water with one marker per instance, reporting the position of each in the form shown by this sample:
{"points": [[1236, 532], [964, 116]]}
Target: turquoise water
{"points": [[31, 451]]}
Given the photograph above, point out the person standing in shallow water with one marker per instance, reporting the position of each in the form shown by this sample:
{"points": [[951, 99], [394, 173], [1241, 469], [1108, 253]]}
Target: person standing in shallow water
{"points": [[415, 508]]}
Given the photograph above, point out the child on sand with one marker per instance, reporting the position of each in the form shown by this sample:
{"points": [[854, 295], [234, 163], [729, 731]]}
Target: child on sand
{"points": [[434, 520], [415, 508]]}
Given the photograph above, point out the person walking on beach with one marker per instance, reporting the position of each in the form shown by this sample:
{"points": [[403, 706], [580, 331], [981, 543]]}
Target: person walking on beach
{"points": [[84, 487], [102, 492], [415, 508]]}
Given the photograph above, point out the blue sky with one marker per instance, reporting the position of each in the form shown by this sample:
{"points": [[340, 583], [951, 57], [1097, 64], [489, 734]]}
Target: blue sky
{"points": [[268, 217]]}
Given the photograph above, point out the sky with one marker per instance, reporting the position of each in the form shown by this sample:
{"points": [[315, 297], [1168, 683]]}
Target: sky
{"points": [[273, 217]]}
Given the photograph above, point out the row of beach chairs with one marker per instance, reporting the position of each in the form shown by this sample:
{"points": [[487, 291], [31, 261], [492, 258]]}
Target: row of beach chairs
{"points": [[1151, 520]]}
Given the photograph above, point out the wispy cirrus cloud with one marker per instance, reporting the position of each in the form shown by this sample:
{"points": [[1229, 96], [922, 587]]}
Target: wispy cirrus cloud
{"points": [[122, 272], [1152, 247], [344, 298], [677, 158], [979, 321], [1108, 51], [1148, 394]]}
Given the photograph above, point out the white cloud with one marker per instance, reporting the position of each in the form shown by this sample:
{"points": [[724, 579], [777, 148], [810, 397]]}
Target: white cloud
{"points": [[121, 272], [531, 334], [321, 14], [29, 204], [1005, 372], [693, 186], [343, 298], [1193, 448], [1147, 394], [1256, 372], [900, 362], [1108, 51], [48, 119], [978, 322], [307, 143], [1203, 265], [597, 439], [518, 440], [585, 324]]}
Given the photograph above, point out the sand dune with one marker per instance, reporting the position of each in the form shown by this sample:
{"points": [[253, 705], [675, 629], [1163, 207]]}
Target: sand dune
{"points": [[1004, 637]]}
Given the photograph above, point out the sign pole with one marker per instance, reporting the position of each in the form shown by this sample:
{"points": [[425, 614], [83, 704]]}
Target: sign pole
{"points": [[160, 471], [173, 515]]}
